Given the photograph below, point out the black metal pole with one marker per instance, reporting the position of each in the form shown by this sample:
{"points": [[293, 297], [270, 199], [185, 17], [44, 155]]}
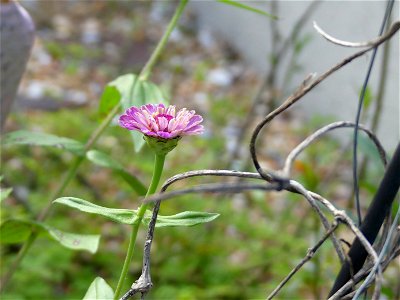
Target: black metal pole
{"points": [[373, 220]]}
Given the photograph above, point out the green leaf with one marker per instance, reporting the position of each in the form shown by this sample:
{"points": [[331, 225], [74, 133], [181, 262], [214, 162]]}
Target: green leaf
{"points": [[368, 97], [14, 231], [300, 44], [128, 216], [4, 193], [74, 241], [249, 8], [183, 219], [108, 100], [136, 92], [24, 137], [102, 159], [99, 289], [124, 216]]}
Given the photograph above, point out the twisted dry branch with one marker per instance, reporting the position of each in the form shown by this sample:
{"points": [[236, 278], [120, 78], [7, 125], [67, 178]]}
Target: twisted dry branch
{"points": [[143, 284], [310, 139], [302, 91], [341, 42], [349, 222], [310, 254]]}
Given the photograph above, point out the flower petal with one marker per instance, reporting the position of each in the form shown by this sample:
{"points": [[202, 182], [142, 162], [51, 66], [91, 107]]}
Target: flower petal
{"points": [[156, 120]]}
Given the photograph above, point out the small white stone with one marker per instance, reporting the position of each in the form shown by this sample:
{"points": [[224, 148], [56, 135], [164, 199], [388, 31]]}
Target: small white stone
{"points": [[220, 77], [90, 31]]}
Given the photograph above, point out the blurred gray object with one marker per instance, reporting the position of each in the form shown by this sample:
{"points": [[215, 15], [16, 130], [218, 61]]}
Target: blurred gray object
{"points": [[17, 36]]}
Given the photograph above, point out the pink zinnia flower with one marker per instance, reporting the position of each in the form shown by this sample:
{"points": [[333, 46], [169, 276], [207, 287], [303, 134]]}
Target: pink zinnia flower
{"points": [[157, 121]]}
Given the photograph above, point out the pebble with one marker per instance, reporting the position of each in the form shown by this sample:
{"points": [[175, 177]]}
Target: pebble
{"points": [[220, 77]]}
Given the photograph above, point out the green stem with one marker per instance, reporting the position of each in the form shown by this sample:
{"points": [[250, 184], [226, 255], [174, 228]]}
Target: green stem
{"points": [[43, 215], [161, 45], [158, 168], [144, 74]]}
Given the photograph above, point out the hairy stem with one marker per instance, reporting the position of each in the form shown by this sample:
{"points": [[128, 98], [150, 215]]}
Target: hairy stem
{"points": [[158, 168]]}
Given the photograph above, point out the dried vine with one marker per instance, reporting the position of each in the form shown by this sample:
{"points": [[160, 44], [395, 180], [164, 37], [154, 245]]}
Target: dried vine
{"points": [[278, 180]]}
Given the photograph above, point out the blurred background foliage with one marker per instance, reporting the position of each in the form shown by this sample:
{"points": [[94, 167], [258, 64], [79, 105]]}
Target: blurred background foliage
{"points": [[257, 239]]}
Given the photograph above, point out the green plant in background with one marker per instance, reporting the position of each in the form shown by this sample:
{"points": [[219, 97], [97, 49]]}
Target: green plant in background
{"points": [[132, 88], [125, 91], [224, 259]]}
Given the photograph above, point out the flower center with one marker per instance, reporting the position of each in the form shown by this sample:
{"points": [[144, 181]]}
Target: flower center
{"points": [[163, 121], [168, 117]]}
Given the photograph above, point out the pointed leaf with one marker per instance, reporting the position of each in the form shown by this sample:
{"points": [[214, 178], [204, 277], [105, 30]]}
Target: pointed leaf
{"points": [[14, 231], [74, 241], [4, 193], [102, 159], [128, 216], [108, 100], [125, 84], [99, 289], [183, 219], [124, 216], [368, 97], [24, 137], [135, 183], [246, 7]]}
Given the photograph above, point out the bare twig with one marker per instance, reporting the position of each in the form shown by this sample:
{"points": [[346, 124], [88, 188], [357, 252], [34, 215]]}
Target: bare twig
{"points": [[349, 222], [344, 43], [226, 173], [300, 93], [377, 211], [214, 188], [143, 284], [385, 248], [310, 139], [278, 52], [255, 176], [363, 273], [377, 111], [310, 254]]}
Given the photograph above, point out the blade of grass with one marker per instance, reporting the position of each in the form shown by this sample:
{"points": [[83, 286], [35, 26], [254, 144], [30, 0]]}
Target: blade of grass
{"points": [[247, 7]]}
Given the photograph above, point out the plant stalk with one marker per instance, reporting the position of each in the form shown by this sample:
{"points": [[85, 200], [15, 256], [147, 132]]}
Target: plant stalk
{"points": [[144, 75], [158, 168]]}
